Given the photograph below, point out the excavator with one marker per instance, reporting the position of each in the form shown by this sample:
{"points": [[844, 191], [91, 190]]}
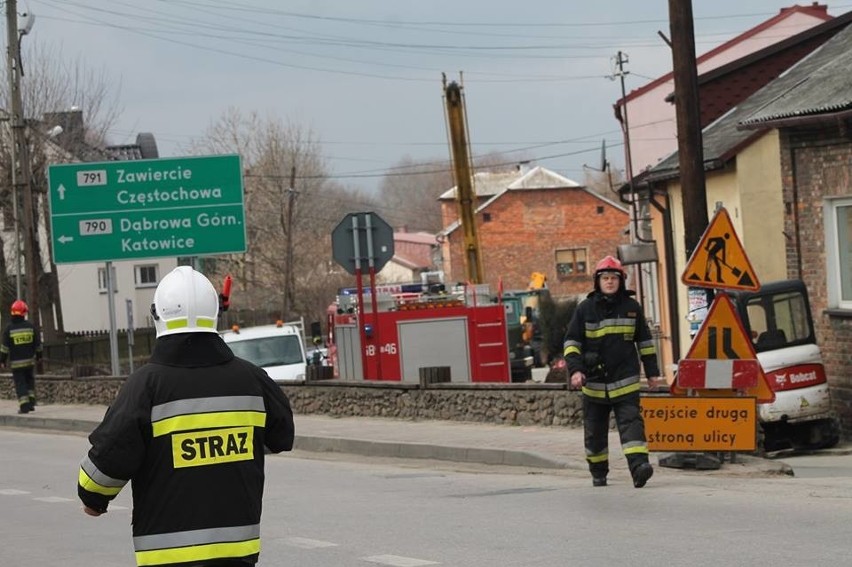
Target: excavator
{"points": [[523, 309]]}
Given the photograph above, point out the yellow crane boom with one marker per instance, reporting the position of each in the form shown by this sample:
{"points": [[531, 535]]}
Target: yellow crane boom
{"points": [[465, 195]]}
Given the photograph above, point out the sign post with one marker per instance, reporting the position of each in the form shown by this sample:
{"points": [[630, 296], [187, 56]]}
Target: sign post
{"points": [[721, 367], [358, 239]]}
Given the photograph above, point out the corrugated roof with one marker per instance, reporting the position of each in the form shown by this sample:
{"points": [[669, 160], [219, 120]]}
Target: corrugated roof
{"points": [[489, 183], [820, 82], [825, 89]]}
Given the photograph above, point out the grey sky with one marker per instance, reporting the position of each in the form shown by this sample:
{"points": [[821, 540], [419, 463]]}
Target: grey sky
{"points": [[365, 75]]}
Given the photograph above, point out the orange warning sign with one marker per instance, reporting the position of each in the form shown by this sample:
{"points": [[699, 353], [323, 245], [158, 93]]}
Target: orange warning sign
{"points": [[700, 424], [719, 261], [722, 336]]}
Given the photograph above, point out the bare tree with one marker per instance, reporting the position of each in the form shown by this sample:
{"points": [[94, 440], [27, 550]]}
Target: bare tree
{"points": [[51, 86], [606, 183], [409, 194], [291, 209]]}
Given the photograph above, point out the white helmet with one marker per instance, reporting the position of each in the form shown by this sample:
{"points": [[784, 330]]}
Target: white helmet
{"points": [[185, 302]]}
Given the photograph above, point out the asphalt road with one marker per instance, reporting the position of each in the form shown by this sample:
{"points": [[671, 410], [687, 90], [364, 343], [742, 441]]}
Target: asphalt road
{"points": [[346, 510]]}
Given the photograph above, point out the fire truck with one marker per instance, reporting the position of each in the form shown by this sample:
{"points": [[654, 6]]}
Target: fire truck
{"points": [[393, 335]]}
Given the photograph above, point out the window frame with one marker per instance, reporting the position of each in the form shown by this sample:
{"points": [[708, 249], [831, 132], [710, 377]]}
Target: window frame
{"points": [[573, 251], [102, 283], [834, 253], [137, 273]]}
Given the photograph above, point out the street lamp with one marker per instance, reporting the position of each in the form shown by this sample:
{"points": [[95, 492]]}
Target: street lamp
{"points": [[19, 155]]}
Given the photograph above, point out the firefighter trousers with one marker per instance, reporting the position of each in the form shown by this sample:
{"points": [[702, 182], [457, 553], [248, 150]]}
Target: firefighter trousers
{"points": [[24, 379], [631, 431]]}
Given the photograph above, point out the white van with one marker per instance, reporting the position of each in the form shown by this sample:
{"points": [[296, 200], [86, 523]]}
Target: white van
{"points": [[279, 349]]}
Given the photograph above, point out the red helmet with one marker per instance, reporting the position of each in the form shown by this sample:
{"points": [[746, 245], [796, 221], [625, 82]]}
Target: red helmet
{"points": [[610, 264], [19, 308]]}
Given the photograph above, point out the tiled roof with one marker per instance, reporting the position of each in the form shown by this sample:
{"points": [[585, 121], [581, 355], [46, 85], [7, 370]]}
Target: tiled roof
{"points": [[819, 83], [816, 10]]}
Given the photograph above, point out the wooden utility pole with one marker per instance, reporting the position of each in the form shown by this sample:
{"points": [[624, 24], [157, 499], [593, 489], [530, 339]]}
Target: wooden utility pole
{"points": [[289, 274], [21, 163], [688, 111]]}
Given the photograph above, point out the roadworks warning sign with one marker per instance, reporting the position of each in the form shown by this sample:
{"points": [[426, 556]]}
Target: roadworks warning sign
{"points": [[700, 424]]}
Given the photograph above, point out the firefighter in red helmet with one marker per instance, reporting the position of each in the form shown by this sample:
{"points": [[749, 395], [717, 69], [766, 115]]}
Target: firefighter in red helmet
{"points": [[605, 341], [21, 346]]}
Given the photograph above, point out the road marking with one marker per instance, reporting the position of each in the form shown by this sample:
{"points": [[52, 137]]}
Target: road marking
{"points": [[306, 543], [12, 492], [397, 561], [52, 499]]}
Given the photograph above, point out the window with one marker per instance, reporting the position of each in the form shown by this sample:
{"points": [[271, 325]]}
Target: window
{"points": [[571, 262], [778, 321], [838, 247], [102, 280], [145, 276]]}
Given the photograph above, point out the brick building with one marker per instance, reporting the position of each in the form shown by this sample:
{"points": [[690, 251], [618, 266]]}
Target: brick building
{"points": [[534, 221]]}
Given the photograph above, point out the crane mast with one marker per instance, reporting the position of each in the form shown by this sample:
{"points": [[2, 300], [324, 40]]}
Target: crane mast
{"points": [[465, 196]]}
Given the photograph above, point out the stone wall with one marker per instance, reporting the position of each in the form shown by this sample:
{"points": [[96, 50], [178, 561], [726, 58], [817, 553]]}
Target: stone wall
{"points": [[509, 404]]}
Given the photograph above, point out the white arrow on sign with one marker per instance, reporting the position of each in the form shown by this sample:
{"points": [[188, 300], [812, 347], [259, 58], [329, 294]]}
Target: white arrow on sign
{"points": [[61, 191], [63, 239]]}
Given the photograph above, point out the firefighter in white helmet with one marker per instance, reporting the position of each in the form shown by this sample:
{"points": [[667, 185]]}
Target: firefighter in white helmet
{"points": [[188, 429], [606, 339]]}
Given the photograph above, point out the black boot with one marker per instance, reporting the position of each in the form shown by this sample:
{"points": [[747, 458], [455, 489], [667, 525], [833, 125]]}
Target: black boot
{"points": [[641, 474]]}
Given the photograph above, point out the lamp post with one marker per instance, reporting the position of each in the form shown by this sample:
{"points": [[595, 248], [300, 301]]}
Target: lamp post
{"points": [[20, 160]]}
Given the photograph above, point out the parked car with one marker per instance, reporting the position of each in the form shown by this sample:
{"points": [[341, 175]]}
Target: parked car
{"points": [[279, 349]]}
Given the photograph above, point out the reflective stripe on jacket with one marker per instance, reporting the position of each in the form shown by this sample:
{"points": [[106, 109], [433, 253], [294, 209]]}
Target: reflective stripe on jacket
{"points": [[605, 340], [21, 344]]}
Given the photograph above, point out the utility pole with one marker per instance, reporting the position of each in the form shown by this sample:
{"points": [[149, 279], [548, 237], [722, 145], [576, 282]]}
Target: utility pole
{"points": [[688, 112], [289, 274], [21, 162], [690, 152]]}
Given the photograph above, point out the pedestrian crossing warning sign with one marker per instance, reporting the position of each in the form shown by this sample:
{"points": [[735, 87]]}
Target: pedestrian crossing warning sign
{"points": [[719, 260], [723, 337]]}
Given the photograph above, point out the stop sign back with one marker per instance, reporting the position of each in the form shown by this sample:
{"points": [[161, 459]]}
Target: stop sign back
{"points": [[361, 239]]}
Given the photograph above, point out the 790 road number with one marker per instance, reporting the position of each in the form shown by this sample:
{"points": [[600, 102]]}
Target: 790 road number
{"points": [[95, 226]]}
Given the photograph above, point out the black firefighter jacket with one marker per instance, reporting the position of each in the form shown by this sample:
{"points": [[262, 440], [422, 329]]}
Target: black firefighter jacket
{"points": [[602, 341], [20, 343], [188, 429]]}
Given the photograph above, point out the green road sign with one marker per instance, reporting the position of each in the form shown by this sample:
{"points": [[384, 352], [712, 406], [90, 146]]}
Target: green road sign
{"points": [[120, 210]]}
